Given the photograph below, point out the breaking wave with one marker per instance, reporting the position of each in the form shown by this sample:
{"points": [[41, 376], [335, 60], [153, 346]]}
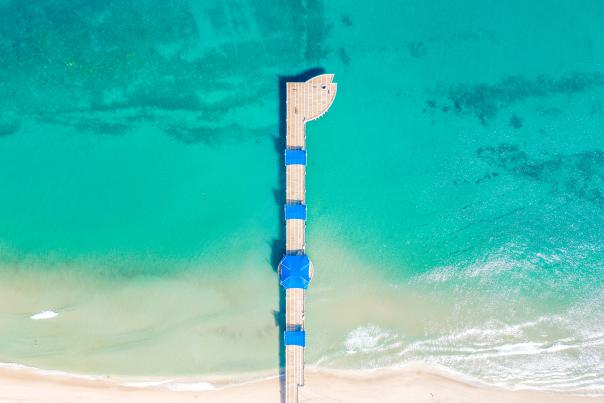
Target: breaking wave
{"points": [[511, 320], [370, 338]]}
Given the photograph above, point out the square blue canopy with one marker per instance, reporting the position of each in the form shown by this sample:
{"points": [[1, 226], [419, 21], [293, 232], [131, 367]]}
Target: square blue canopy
{"points": [[294, 271], [295, 211], [295, 338], [295, 157]]}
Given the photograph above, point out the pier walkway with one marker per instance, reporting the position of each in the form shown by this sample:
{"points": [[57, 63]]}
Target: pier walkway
{"points": [[305, 101]]}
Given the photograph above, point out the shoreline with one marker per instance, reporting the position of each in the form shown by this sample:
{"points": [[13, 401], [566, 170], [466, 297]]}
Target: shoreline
{"points": [[416, 383]]}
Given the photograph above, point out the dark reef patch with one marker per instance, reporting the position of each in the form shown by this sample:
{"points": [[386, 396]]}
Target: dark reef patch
{"points": [[344, 57], [543, 111], [8, 125], [515, 121], [574, 176], [597, 108], [346, 21], [486, 177], [417, 49], [484, 101], [99, 126], [110, 67], [210, 135]]}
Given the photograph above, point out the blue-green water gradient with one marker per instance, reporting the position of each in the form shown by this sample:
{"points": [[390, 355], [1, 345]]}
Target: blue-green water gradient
{"points": [[455, 187]]}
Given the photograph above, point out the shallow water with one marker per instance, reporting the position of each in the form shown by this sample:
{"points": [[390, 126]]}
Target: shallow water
{"points": [[456, 211]]}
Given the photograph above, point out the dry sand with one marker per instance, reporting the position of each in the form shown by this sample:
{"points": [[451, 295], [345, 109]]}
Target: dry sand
{"points": [[415, 384]]}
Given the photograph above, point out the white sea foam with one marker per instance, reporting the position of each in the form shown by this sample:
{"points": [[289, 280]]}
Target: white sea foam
{"points": [[44, 315], [173, 385], [521, 356], [146, 384], [190, 387], [562, 350], [169, 384], [370, 338], [516, 262], [481, 269], [45, 372]]}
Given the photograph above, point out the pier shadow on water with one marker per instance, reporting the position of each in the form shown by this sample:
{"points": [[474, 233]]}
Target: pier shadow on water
{"points": [[278, 243]]}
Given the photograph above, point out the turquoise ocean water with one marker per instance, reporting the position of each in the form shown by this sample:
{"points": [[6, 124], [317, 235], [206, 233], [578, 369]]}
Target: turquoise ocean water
{"points": [[455, 187]]}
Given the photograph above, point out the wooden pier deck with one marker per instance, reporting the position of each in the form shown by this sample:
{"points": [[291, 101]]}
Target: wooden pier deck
{"points": [[305, 101], [295, 183]]}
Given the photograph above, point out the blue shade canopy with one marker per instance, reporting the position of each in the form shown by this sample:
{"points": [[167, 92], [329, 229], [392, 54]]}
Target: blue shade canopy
{"points": [[295, 271], [295, 338], [295, 157], [295, 212]]}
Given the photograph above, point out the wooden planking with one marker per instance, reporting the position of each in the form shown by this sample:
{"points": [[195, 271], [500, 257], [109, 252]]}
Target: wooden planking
{"points": [[320, 93], [294, 319], [294, 311], [291, 384], [294, 235], [307, 101], [297, 364], [294, 355], [295, 176], [295, 125], [300, 366]]}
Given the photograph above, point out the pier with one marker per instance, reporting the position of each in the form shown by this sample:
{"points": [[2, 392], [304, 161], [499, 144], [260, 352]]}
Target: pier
{"points": [[306, 101]]}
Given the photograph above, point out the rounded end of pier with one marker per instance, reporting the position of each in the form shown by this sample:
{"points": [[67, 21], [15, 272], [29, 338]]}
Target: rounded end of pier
{"points": [[321, 91]]}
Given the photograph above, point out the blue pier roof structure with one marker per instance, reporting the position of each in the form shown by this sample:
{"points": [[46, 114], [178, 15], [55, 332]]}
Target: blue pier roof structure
{"points": [[295, 157], [295, 338], [295, 271], [294, 211]]}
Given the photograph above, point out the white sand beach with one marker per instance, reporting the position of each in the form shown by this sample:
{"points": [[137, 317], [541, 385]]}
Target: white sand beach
{"points": [[414, 384]]}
